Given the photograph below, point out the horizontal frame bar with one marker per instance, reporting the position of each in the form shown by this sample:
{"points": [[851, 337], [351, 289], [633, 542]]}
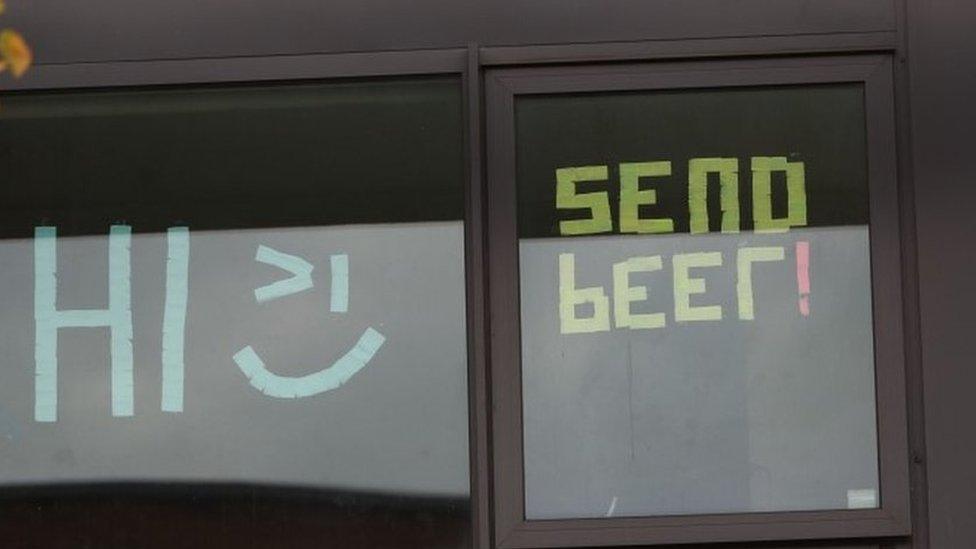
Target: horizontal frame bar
{"points": [[241, 69], [690, 48]]}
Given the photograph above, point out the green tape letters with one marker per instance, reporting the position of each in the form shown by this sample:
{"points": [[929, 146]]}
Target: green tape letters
{"points": [[631, 197], [597, 202]]}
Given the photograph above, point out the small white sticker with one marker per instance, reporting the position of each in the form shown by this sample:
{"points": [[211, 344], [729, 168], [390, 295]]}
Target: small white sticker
{"points": [[862, 499]]}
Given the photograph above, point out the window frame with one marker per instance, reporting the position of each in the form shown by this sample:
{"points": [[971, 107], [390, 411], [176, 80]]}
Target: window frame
{"points": [[511, 529], [490, 77]]}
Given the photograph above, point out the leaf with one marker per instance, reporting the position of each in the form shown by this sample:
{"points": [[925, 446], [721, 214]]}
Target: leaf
{"points": [[15, 52]]}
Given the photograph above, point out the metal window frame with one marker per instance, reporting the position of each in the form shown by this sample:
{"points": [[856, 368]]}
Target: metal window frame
{"points": [[511, 530], [478, 67]]}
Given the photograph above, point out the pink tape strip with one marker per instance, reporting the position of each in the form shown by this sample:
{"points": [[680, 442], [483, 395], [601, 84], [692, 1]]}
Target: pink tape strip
{"points": [[803, 275]]}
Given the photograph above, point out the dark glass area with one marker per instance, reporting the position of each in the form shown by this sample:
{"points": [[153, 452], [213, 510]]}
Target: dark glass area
{"points": [[181, 515], [222, 157], [821, 126]]}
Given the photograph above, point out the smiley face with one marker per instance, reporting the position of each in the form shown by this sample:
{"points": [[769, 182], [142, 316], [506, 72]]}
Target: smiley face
{"points": [[328, 378]]}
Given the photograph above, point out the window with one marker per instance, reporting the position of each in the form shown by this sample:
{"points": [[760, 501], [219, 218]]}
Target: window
{"points": [[703, 265], [260, 306], [252, 291]]}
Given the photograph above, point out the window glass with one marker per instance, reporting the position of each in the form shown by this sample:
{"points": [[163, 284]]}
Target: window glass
{"points": [[696, 311], [259, 286]]}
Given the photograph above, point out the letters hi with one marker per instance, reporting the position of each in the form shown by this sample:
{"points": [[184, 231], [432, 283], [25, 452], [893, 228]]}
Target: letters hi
{"points": [[48, 320]]}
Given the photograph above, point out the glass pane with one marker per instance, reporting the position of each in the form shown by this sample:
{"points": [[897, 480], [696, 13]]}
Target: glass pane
{"points": [[696, 302], [287, 263]]}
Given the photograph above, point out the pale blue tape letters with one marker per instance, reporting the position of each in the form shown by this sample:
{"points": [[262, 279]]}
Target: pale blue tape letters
{"points": [[120, 308], [324, 380], [340, 283], [300, 269], [47, 321], [45, 327], [174, 317]]}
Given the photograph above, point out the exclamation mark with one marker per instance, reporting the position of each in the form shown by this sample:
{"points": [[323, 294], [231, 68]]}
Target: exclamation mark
{"points": [[803, 275]]}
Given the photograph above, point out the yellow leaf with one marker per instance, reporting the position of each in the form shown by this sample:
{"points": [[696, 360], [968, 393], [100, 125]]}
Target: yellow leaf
{"points": [[15, 51], [3, 6]]}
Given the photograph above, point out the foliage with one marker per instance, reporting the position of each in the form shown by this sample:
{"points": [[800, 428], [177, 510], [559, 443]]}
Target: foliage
{"points": [[15, 54]]}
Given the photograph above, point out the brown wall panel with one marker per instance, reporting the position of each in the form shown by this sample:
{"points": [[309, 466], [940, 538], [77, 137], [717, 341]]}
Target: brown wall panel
{"points": [[943, 85], [103, 30]]}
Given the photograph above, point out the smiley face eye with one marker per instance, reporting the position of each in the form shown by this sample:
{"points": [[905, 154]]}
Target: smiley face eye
{"points": [[301, 274]]}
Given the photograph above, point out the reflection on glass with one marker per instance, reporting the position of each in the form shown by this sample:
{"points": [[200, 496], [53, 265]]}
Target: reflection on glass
{"points": [[253, 294], [695, 303]]}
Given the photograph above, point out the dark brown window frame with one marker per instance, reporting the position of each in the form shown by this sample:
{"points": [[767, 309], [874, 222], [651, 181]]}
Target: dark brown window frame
{"points": [[477, 66], [511, 530]]}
